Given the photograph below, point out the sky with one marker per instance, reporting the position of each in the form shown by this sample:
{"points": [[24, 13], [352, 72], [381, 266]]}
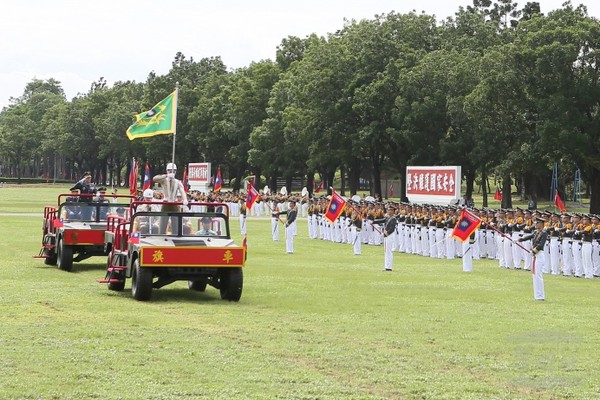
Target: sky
{"points": [[77, 41]]}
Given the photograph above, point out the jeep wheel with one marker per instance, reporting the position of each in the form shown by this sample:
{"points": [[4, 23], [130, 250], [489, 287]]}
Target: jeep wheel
{"points": [[232, 282], [141, 284], [198, 286], [50, 257], [49, 253], [117, 286], [64, 256]]}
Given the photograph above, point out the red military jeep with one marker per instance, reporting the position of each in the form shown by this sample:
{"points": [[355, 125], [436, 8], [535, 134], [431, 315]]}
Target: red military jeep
{"points": [[155, 248], [74, 230]]}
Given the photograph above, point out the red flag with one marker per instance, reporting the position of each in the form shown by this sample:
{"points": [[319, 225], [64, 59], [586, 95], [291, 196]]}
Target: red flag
{"points": [[466, 225], [391, 190], [558, 202], [335, 207], [218, 180], [498, 195], [186, 182], [57, 222], [318, 189], [147, 181], [251, 198], [133, 174]]}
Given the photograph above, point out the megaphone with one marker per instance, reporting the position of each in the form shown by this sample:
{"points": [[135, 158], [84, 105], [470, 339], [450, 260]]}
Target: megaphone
{"points": [[283, 191], [304, 191], [266, 190]]}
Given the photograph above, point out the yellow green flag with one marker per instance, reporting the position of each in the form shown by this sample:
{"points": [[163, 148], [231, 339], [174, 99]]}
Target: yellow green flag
{"points": [[160, 120]]}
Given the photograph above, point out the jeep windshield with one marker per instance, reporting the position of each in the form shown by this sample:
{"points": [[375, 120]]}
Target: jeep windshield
{"points": [[148, 223], [91, 211]]}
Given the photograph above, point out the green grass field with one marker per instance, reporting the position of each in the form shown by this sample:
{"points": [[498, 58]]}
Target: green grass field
{"points": [[318, 324]]}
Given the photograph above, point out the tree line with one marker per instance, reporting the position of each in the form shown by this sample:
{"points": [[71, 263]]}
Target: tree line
{"points": [[497, 89]]}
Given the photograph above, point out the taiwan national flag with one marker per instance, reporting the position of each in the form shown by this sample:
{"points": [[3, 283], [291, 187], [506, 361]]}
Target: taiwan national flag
{"points": [[134, 238], [147, 181], [58, 222], [251, 198], [335, 207], [466, 225], [218, 180]]}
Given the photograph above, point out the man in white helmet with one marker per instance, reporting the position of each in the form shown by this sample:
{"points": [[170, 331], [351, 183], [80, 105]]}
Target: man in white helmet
{"points": [[171, 188]]}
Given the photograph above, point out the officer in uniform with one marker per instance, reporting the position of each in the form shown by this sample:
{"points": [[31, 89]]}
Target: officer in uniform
{"points": [[587, 237], [72, 212], [467, 255], [576, 247], [276, 209], [171, 188], [596, 245], [450, 240], [517, 233], [566, 233], [242, 217], [102, 210], [355, 229], [389, 228], [146, 224], [527, 229], [87, 189], [538, 242], [292, 214], [554, 233]]}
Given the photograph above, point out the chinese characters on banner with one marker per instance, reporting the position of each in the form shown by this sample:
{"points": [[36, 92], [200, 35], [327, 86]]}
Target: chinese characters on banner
{"points": [[435, 185]]}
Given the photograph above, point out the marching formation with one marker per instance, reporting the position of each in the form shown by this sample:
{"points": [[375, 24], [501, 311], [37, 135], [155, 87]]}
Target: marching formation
{"points": [[572, 244]]}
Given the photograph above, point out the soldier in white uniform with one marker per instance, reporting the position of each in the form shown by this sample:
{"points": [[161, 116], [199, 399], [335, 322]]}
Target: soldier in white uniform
{"points": [[576, 246], [538, 242], [355, 229], [275, 220], [389, 228], [566, 231], [292, 214]]}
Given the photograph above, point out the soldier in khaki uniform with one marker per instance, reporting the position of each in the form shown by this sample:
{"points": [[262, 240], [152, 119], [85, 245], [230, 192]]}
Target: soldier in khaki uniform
{"points": [[172, 188]]}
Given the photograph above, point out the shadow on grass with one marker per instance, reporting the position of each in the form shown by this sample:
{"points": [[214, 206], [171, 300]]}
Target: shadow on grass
{"points": [[175, 295], [77, 268], [166, 294]]}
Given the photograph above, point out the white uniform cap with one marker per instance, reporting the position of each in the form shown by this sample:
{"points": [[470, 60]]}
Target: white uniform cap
{"points": [[171, 166], [148, 193]]}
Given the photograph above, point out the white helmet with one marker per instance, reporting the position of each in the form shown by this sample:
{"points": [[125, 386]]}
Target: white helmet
{"points": [[171, 166], [148, 193]]}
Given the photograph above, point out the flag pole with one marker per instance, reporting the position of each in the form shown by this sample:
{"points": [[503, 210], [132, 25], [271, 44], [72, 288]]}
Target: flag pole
{"points": [[273, 212], [503, 235], [175, 119]]}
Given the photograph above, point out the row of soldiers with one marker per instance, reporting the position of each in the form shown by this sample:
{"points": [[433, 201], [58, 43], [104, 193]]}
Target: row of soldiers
{"points": [[573, 244]]}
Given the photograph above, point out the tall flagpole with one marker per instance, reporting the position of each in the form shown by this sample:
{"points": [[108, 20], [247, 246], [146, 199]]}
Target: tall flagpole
{"points": [[175, 119]]}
